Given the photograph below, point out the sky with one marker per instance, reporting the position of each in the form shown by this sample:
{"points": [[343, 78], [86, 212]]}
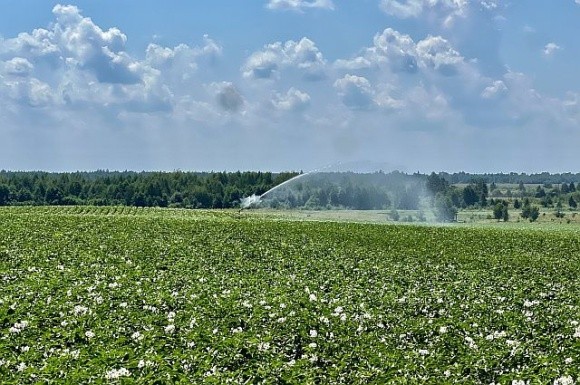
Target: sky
{"points": [[281, 85]]}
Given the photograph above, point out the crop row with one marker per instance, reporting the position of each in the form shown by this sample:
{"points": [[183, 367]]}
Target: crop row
{"points": [[220, 299]]}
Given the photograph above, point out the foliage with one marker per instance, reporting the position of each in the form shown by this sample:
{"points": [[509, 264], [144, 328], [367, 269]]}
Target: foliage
{"points": [[445, 211], [500, 211], [173, 189], [530, 212], [172, 296]]}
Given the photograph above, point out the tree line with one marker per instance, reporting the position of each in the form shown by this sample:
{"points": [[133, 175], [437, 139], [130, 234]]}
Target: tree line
{"points": [[143, 189]]}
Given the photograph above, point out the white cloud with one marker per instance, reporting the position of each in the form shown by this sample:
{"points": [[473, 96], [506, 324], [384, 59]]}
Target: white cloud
{"points": [[401, 54], [445, 12], [448, 9], [293, 100], [355, 91], [302, 55], [18, 66], [498, 87], [76, 64], [300, 5], [409, 8], [436, 52], [551, 48], [228, 97], [86, 45], [27, 91]]}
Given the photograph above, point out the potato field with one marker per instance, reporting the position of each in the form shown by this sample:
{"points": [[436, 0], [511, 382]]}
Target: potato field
{"points": [[153, 296]]}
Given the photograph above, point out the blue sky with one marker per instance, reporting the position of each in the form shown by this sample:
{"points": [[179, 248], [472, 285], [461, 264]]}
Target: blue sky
{"points": [[428, 85]]}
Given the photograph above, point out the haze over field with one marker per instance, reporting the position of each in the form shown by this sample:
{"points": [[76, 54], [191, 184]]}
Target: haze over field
{"points": [[474, 85]]}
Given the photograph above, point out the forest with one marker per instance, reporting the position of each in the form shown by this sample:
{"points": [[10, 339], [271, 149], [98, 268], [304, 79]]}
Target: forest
{"points": [[323, 190]]}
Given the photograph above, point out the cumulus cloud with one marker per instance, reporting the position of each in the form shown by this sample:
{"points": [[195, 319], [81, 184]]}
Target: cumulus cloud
{"points": [[447, 9], [300, 5], [293, 100], [18, 66], [303, 56], [355, 91], [28, 91], [436, 52], [228, 97], [75, 63], [551, 48], [498, 87], [401, 54], [445, 12], [90, 48]]}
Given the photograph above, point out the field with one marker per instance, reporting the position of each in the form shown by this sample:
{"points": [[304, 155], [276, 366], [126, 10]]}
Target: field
{"points": [[99, 295]]}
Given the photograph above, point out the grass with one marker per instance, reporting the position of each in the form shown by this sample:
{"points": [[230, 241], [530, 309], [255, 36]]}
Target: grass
{"points": [[99, 295]]}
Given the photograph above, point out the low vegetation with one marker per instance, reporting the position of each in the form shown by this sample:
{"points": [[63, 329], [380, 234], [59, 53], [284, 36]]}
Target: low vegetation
{"points": [[93, 295]]}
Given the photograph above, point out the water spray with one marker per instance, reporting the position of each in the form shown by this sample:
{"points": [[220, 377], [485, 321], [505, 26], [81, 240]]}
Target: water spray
{"points": [[254, 200]]}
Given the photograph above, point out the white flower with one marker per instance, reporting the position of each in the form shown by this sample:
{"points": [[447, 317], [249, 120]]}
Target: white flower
{"points": [[312, 298], [21, 367], [518, 382], [564, 380], [143, 363], [470, 342], [89, 334], [423, 352], [312, 345], [169, 329], [114, 374], [530, 303], [14, 330], [123, 304], [236, 330], [281, 320], [313, 333], [80, 310], [577, 332], [137, 336], [24, 349], [568, 360], [443, 330], [263, 346]]}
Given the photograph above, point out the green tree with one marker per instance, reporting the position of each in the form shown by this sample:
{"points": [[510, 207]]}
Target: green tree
{"points": [[500, 211], [534, 213], [444, 209], [530, 212], [436, 184], [470, 196], [4, 194]]}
